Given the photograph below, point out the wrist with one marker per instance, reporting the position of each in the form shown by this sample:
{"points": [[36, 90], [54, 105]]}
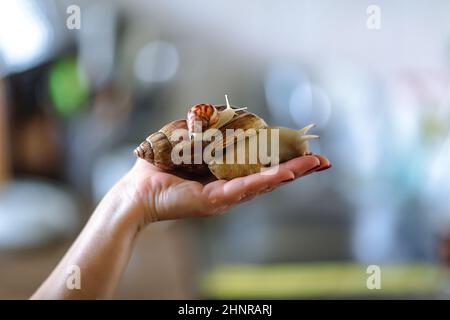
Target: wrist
{"points": [[121, 209]]}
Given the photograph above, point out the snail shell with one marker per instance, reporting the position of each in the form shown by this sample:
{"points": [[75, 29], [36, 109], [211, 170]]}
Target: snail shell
{"points": [[157, 149], [201, 117]]}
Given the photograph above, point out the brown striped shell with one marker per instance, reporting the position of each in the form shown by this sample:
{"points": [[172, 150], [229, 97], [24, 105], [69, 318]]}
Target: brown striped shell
{"points": [[157, 149], [201, 117]]}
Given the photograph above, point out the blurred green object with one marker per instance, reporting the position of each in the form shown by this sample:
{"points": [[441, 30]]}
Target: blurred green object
{"points": [[68, 85], [317, 280]]}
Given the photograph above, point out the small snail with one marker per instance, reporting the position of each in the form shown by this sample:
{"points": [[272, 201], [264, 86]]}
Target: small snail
{"points": [[207, 131], [205, 116]]}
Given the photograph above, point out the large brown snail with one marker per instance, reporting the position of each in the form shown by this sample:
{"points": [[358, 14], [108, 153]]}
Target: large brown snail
{"points": [[224, 141]]}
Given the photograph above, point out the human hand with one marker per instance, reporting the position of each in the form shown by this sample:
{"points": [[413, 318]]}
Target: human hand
{"points": [[146, 195], [159, 195]]}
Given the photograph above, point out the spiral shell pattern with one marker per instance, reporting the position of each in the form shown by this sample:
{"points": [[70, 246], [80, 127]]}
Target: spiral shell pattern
{"points": [[204, 114], [145, 151]]}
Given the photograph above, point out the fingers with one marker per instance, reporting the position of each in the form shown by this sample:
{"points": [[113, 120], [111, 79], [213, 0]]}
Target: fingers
{"points": [[240, 189], [299, 168], [302, 165], [324, 163]]}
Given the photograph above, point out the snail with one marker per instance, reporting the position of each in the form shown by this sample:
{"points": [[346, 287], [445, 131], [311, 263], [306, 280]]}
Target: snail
{"points": [[250, 147], [205, 116]]}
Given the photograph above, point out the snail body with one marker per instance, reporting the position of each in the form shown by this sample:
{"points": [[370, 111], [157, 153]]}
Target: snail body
{"points": [[252, 147]]}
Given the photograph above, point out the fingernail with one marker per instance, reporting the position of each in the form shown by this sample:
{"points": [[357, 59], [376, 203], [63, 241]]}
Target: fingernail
{"points": [[325, 168]]}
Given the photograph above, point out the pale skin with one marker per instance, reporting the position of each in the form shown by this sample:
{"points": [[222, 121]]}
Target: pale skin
{"points": [[146, 195]]}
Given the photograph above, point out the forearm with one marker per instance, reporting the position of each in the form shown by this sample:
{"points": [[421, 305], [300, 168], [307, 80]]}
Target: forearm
{"points": [[101, 251]]}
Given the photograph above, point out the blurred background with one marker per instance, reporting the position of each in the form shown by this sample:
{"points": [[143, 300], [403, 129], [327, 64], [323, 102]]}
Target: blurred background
{"points": [[75, 102]]}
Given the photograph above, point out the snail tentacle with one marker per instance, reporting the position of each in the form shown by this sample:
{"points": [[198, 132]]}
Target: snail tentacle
{"points": [[307, 128], [309, 137]]}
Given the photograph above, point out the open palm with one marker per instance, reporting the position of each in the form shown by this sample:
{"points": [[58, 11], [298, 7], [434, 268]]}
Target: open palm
{"points": [[166, 196]]}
